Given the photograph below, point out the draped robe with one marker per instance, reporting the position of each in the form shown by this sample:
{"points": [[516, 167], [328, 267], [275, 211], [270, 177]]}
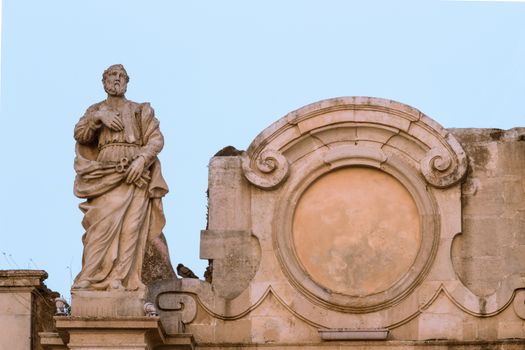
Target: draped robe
{"points": [[118, 217]]}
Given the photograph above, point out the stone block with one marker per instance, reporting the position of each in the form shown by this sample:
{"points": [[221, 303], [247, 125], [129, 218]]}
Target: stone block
{"points": [[511, 329], [26, 308], [228, 195], [88, 333], [52, 341], [238, 331], [440, 326], [353, 334], [488, 329], [336, 228], [236, 256], [15, 320], [107, 303]]}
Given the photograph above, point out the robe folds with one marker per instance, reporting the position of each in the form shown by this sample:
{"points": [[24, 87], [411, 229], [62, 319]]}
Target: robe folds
{"points": [[119, 218]]}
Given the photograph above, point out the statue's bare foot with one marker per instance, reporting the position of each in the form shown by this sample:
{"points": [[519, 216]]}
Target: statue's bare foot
{"points": [[117, 284], [84, 284]]}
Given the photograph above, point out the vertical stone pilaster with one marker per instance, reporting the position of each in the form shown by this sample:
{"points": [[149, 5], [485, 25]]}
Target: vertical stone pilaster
{"points": [[229, 195], [18, 316]]}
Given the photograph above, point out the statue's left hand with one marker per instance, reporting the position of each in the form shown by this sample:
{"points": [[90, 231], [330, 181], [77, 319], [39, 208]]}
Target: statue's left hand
{"points": [[135, 170]]}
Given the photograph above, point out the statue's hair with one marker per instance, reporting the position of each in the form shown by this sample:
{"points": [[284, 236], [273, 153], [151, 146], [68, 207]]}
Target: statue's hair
{"points": [[115, 67]]}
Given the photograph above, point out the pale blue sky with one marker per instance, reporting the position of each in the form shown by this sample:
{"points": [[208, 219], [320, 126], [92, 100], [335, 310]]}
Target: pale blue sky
{"points": [[218, 73]]}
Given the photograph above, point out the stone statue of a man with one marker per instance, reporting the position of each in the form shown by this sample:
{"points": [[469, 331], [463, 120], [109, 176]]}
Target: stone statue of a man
{"points": [[119, 175]]}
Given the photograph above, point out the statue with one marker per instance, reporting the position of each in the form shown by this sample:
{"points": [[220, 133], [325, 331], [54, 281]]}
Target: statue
{"points": [[118, 173]]}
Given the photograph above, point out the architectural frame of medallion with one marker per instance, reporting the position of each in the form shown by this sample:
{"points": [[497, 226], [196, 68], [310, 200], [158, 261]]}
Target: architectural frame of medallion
{"points": [[283, 161], [340, 157]]}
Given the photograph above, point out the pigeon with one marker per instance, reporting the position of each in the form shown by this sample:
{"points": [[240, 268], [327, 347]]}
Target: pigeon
{"points": [[185, 272]]}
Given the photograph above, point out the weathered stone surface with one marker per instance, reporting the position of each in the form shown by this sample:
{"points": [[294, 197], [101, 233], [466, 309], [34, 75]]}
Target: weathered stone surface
{"points": [[387, 345], [353, 334], [351, 218], [228, 195], [157, 264], [354, 204], [356, 231], [26, 308], [136, 333], [107, 303], [52, 341], [490, 247], [236, 256], [228, 151]]}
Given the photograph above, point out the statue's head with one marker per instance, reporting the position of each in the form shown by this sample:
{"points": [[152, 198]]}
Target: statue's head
{"points": [[115, 80]]}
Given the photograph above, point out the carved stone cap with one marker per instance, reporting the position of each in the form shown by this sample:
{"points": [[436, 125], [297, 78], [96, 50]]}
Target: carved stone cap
{"points": [[117, 322], [22, 278], [443, 164]]}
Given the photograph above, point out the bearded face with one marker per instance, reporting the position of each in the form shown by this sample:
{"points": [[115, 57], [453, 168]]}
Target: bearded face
{"points": [[116, 82]]}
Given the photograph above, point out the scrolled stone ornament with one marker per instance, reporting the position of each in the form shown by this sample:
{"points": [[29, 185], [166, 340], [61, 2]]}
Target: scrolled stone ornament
{"points": [[267, 171], [179, 302], [443, 167]]}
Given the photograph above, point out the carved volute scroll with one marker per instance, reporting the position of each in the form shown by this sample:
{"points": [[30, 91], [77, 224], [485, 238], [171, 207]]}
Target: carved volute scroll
{"points": [[443, 169], [267, 171], [444, 163]]}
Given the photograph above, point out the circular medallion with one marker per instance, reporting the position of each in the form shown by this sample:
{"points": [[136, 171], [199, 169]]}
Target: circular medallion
{"points": [[356, 231], [354, 237]]}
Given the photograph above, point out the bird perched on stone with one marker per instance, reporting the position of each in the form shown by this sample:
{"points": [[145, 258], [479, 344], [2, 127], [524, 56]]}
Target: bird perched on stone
{"points": [[185, 272], [150, 309]]}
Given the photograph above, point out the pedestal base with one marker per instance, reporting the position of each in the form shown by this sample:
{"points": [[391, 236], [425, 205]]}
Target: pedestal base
{"points": [[130, 333], [107, 303]]}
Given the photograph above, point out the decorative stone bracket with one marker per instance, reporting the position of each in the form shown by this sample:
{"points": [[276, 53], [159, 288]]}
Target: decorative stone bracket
{"points": [[236, 256]]}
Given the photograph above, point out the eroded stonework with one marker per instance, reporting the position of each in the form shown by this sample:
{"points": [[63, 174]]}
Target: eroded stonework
{"points": [[359, 210], [491, 249], [351, 223]]}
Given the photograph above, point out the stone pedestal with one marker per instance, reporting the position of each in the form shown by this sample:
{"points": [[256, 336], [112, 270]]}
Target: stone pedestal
{"points": [[111, 320], [52, 341], [130, 333], [107, 303]]}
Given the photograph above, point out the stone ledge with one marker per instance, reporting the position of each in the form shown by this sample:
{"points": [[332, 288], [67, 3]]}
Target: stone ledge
{"points": [[215, 244], [474, 135], [55, 340], [51, 341], [122, 322], [104, 304], [124, 332], [353, 334], [22, 278], [435, 344], [182, 341]]}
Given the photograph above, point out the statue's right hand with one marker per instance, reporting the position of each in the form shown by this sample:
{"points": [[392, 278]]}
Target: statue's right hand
{"points": [[110, 119]]}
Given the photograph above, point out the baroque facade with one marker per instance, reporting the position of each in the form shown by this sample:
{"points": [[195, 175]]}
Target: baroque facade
{"points": [[351, 223]]}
